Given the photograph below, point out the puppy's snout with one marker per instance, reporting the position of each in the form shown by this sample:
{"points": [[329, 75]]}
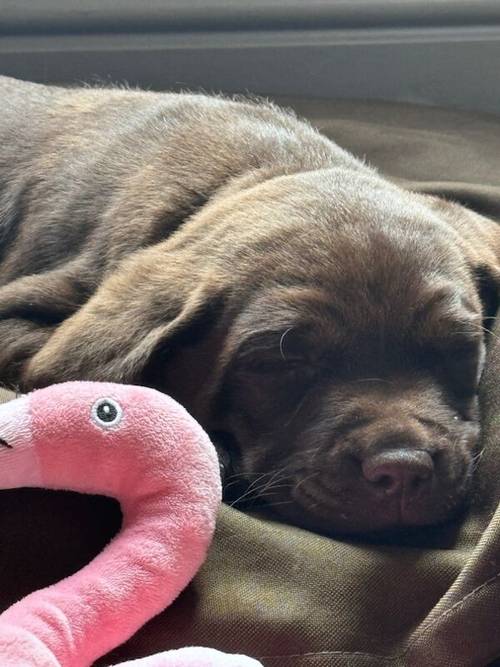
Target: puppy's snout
{"points": [[399, 471]]}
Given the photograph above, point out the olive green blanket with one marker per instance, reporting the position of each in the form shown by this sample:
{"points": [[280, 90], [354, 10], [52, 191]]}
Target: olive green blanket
{"points": [[288, 597]]}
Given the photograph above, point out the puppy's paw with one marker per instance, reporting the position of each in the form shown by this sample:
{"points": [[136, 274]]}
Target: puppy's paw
{"points": [[21, 340]]}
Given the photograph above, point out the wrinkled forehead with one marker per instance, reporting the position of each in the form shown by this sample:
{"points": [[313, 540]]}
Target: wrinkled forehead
{"points": [[366, 251], [380, 270]]}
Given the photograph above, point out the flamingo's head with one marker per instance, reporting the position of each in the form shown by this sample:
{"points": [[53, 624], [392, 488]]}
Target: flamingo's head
{"points": [[123, 441]]}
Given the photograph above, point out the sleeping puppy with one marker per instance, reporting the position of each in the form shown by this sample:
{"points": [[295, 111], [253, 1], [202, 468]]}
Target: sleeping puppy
{"points": [[327, 326]]}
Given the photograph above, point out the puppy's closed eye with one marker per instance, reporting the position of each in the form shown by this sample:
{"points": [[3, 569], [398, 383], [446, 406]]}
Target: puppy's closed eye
{"points": [[273, 368], [465, 365], [277, 353], [272, 381], [458, 361]]}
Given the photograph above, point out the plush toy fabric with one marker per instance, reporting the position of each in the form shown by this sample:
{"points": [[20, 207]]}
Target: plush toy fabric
{"points": [[142, 448]]}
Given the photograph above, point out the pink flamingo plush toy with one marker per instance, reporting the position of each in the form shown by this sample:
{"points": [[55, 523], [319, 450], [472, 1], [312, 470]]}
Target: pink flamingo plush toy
{"points": [[142, 448]]}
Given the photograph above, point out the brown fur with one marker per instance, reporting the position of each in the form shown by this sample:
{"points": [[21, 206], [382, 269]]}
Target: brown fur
{"points": [[310, 314]]}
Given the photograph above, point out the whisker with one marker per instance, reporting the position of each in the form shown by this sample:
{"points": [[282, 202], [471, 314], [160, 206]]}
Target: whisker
{"points": [[384, 380], [477, 457], [275, 488], [480, 327], [256, 481], [282, 339], [254, 489], [273, 481], [305, 479], [300, 404], [314, 449], [229, 485], [248, 474], [248, 491], [281, 502]]}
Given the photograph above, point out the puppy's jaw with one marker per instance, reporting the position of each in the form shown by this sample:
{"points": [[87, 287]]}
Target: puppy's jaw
{"points": [[347, 502], [320, 485]]}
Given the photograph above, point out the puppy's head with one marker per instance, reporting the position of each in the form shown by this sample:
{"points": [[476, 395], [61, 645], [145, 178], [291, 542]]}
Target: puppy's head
{"points": [[350, 376], [327, 326]]}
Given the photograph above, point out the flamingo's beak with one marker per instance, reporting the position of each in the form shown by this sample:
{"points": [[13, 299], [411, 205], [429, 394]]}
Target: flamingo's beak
{"points": [[14, 423], [19, 464]]}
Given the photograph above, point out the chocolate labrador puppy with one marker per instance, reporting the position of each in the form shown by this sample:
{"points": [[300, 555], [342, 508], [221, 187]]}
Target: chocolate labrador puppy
{"points": [[325, 324]]}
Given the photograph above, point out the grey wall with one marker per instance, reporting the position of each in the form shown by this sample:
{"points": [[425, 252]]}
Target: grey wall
{"points": [[443, 52]]}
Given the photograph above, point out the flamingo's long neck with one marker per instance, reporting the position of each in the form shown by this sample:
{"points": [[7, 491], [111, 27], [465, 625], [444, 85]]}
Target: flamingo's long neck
{"points": [[160, 547]]}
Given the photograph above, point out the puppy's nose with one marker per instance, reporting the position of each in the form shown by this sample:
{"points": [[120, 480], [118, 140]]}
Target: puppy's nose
{"points": [[398, 470]]}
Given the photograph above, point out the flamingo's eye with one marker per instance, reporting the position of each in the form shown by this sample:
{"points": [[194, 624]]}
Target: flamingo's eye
{"points": [[106, 412]]}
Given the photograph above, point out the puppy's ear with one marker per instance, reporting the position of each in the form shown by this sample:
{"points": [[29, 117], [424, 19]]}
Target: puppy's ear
{"points": [[480, 242], [488, 288], [186, 326], [145, 310], [466, 208]]}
